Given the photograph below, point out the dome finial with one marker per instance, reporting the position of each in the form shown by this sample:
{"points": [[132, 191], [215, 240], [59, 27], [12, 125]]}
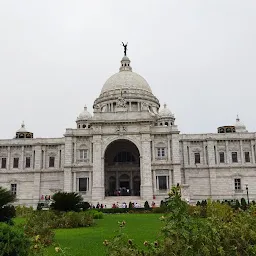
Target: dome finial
{"points": [[237, 118], [165, 105], [85, 107], [22, 124]]}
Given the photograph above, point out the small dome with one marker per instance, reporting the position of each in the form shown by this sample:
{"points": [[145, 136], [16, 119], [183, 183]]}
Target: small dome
{"points": [[165, 112], [85, 115], [22, 128], [240, 127]]}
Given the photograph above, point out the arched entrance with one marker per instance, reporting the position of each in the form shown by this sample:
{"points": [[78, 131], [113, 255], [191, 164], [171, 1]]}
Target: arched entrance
{"points": [[122, 169]]}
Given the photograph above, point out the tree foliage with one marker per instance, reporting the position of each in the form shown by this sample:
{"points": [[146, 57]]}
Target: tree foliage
{"points": [[64, 201], [222, 231], [6, 197]]}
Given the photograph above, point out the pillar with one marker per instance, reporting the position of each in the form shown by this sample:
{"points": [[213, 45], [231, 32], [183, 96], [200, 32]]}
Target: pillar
{"points": [[98, 172], [68, 164], [146, 174], [176, 159], [36, 189], [22, 164], [8, 158], [74, 182], [252, 154]]}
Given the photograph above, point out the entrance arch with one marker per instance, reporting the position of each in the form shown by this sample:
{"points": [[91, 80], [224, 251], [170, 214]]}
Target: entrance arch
{"points": [[122, 169]]}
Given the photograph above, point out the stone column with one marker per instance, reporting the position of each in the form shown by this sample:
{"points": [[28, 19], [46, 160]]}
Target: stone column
{"points": [[252, 150], [22, 164], [8, 158], [154, 182], [36, 189], [37, 159], [212, 172], [170, 179], [153, 150], [75, 151], [241, 152], [98, 172], [176, 159], [146, 189], [227, 153], [168, 149], [74, 182], [68, 164]]}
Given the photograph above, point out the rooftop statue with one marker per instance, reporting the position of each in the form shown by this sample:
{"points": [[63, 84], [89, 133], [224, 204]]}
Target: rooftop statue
{"points": [[125, 48]]}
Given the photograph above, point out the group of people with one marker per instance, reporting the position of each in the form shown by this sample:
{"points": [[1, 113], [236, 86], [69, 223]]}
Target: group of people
{"points": [[124, 205], [98, 206], [46, 197]]}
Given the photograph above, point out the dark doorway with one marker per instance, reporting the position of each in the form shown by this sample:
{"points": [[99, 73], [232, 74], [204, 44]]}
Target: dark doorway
{"points": [[122, 169]]}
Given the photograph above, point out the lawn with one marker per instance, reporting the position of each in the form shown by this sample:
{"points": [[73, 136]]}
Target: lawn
{"points": [[89, 241]]}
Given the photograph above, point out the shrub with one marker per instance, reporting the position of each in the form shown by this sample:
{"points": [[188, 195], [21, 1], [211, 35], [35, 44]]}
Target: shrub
{"points": [[7, 212], [13, 241], [243, 204], [23, 211], [146, 205], [64, 201], [40, 223], [84, 205], [96, 214]]}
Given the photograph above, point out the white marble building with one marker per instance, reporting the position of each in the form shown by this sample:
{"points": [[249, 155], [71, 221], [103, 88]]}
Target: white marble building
{"points": [[130, 143]]}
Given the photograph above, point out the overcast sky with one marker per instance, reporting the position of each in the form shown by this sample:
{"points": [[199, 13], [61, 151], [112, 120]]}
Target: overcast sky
{"points": [[197, 56]]}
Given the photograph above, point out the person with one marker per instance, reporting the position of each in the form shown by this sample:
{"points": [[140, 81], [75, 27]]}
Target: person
{"points": [[98, 205]]}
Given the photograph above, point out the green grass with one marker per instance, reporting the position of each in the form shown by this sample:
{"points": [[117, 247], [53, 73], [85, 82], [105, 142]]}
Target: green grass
{"points": [[89, 241]]}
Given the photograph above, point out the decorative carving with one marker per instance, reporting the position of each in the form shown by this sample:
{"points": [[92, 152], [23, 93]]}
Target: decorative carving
{"points": [[97, 108], [144, 106], [121, 102], [121, 129]]}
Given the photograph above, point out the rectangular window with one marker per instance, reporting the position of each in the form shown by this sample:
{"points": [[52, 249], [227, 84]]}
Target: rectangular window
{"points": [[234, 157], [247, 157], [16, 162], [14, 189], [222, 157], [27, 165], [83, 184], [83, 155], [237, 184], [3, 163], [162, 182], [51, 161], [197, 158], [161, 152]]}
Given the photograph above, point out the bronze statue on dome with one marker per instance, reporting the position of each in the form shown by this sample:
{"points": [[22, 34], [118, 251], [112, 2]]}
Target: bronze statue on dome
{"points": [[125, 48]]}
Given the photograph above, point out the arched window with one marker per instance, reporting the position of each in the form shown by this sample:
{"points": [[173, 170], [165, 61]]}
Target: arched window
{"points": [[124, 157], [166, 123], [84, 126]]}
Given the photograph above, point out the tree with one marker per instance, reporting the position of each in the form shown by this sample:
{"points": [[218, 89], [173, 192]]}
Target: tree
{"points": [[64, 201], [6, 197], [6, 211], [146, 205]]}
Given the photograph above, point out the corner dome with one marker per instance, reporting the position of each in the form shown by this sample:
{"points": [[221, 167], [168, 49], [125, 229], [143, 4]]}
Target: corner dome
{"points": [[165, 112], [239, 126], [85, 115], [126, 79]]}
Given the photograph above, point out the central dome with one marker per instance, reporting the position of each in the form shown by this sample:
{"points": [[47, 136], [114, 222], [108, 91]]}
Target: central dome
{"points": [[126, 79]]}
